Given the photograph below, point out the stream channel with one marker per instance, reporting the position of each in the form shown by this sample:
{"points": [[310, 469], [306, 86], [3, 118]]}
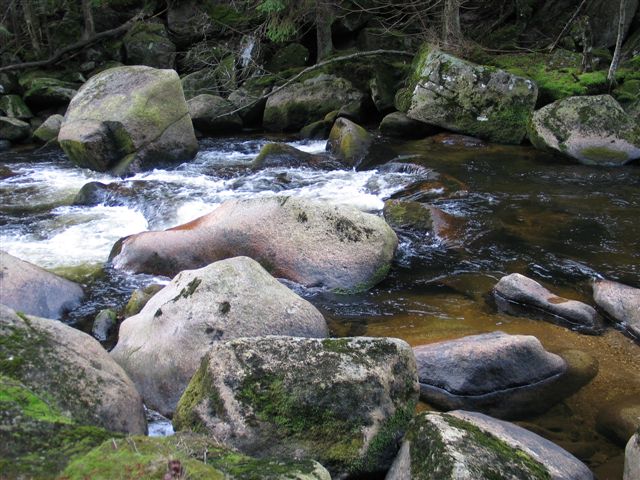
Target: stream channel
{"points": [[511, 209]]}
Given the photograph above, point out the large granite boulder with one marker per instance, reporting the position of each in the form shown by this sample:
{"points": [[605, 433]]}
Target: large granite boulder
{"points": [[49, 129], [128, 119], [214, 115], [621, 303], [593, 130], [471, 446], [518, 295], [161, 347], [148, 44], [183, 456], [344, 402], [71, 370], [349, 142], [506, 376], [472, 99], [32, 290], [38, 440], [301, 103], [632, 458], [312, 243]]}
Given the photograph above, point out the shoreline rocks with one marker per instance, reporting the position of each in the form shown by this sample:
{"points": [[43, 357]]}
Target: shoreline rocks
{"points": [[309, 242], [621, 303], [161, 347], [518, 295]]}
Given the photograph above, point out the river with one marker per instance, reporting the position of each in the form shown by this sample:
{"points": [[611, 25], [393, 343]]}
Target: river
{"points": [[512, 209]]}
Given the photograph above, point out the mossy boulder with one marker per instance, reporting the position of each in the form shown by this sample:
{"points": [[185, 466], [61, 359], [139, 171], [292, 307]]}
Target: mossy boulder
{"points": [[593, 130], [344, 402], [522, 296], [227, 299], [506, 376], [13, 106], [46, 92], [139, 299], [71, 371], [283, 155], [299, 104], [128, 119], [149, 44], [14, 130], [184, 455], [198, 83], [38, 439], [49, 129], [309, 242], [291, 56], [472, 446], [33, 290], [214, 115], [317, 130], [349, 142], [472, 99]]}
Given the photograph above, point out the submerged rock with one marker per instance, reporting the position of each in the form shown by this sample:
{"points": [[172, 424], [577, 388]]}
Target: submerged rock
{"points": [[213, 115], [472, 446], [310, 242], [632, 458], [343, 402], [621, 303], [49, 129], [71, 370], [593, 130], [283, 155], [618, 420], [198, 456], [128, 119], [30, 289], [349, 142], [198, 308], [472, 99], [298, 104], [507, 376], [517, 294], [38, 439]]}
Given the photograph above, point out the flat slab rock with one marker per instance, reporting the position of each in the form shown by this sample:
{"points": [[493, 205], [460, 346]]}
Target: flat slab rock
{"points": [[344, 402], [520, 295], [471, 446], [27, 288], [162, 346], [508, 376], [621, 303]]}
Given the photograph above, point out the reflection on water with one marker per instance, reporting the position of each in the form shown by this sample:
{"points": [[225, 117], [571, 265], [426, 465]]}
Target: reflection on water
{"points": [[518, 211]]}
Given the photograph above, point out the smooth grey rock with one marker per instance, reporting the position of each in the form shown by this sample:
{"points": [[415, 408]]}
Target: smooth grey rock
{"points": [[161, 347], [399, 125], [213, 115], [103, 324], [345, 402], [128, 119], [471, 99], [71, 370], [49, 129], [301, 103], [349, 142], [472, 446], [30, 289], [515, 293], [507, 376], [621, 303], [592, 130], [310, 242], [632, 458]]}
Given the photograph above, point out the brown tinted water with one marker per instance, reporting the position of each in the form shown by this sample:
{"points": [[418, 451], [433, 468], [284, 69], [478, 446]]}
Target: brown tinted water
{"points": [[559, 223]]}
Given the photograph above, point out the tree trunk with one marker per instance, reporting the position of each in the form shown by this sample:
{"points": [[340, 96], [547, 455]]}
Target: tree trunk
{"points": [[324, 19], [33, 27], [587, 45], [87, 15], [611, 76], [451, 31]]}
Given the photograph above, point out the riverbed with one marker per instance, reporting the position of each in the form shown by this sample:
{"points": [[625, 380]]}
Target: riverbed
{"points": [[513, 209]]}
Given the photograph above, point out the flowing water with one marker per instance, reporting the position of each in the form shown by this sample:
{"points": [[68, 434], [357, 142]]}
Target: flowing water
{"points": [[511, 209]]}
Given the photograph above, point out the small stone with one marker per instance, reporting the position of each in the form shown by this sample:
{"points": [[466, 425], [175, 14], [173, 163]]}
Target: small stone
{"points": [[103, 324]]}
